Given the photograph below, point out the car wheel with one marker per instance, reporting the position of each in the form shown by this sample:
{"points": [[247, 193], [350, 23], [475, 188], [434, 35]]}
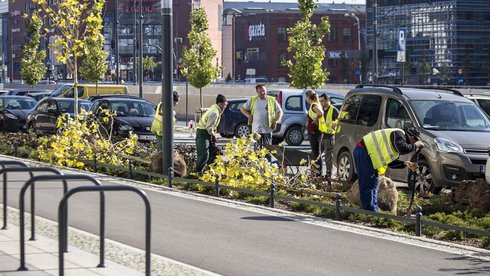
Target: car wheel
{"points": [[294, 136], [345, 167], [242, 130], [421, 180]]}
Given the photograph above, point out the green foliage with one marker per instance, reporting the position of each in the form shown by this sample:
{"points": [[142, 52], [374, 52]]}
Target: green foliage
{"points": [[425, 71], [32, 63], [79, 139], [198, 57], [149, 63], [306, 45], [75, 23], [245, 167], [94, 66]]}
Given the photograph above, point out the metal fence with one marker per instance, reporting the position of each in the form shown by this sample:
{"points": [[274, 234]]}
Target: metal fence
{"points": [[418, 220]]}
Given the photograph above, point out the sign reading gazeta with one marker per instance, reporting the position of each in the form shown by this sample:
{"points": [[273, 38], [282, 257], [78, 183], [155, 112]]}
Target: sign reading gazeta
{"points": [[256, 31]]}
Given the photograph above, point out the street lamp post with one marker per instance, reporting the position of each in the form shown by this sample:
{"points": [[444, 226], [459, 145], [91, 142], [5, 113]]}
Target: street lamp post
{"points": [[167, 78], [140, 54], [116, 38], [375, 40], [353, 15]]}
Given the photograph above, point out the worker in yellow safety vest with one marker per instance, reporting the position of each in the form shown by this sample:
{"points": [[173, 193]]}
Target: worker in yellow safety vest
{"points": [[378, 150], [157, 125], [207, 129], [313, 121], [263, 112], [328, 127]]}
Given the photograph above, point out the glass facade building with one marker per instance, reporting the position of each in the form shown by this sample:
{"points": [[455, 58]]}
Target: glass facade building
{"points": [[447, 42]]}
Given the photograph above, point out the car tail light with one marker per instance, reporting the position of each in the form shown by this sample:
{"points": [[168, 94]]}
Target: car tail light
{"points": [[279, 98]]}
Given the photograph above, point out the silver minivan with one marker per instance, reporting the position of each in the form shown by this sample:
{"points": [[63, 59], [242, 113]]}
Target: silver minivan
{"points": [[291, 128], [455, 132]]}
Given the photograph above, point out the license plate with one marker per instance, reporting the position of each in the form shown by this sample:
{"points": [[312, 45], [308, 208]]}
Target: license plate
{"points": [[483, 168], [147, 137]]}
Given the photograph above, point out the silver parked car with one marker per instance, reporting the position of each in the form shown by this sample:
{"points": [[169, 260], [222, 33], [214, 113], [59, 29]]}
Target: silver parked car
{"points": [[455, 132], [294, 107], [482, 100]]}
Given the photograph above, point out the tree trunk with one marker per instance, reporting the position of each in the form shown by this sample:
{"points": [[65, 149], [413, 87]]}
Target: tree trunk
{"points": [[200, 97]]}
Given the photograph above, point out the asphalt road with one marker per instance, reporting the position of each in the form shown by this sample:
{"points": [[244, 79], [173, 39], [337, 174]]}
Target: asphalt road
{"points": [[228, 240]]}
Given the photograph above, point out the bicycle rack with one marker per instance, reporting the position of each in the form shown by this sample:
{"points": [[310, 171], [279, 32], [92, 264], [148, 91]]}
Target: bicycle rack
{"points": [[63, 222], [45, 178], [4, 163], [30, 170]]}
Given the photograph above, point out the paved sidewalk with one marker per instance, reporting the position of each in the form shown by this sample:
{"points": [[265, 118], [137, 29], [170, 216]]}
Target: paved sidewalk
{"points": [[42, 257]]}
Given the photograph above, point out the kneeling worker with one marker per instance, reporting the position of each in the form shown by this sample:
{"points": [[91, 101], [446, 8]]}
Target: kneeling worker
{"points": [[206, 133], [378, 150]]}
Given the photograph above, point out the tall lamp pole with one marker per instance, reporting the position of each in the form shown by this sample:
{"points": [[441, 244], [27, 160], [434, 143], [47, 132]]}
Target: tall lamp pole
{"points": [[167, 78], [140, 54], [375, 40], [353, 15], [116, 38]]}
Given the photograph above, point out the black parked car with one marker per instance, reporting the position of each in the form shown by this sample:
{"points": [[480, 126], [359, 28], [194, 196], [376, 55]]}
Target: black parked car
{"points": [[233, 122], [132, 115], [44, 117], [13, 112]]}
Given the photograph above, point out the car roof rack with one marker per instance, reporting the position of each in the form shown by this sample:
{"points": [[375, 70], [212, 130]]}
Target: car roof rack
{"points": [[454, 91], [394, 88]]}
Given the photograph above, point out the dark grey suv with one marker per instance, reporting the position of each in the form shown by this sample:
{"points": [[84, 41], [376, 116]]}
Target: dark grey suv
{"points": [[455, 132]]}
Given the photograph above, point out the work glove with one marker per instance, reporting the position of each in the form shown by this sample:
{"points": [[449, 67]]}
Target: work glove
{"points": [[419, 145]]}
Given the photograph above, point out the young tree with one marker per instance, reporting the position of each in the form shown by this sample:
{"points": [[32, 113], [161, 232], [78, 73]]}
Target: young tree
{"points": [[424, 69], [73, 23], [94, 65], [198, 57], [32, 65], [149, 64], [306, 45]]}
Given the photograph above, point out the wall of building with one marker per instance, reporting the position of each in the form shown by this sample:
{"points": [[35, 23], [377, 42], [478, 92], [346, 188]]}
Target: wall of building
{"points": [[261, 43]]}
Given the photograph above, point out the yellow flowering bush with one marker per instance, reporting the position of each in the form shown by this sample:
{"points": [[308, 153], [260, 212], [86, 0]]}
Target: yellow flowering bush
{"points": [[78, 139], [241, 165]]}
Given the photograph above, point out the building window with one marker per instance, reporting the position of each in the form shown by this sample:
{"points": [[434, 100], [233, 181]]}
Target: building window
{"points": [[332, 35], [347, 34], [281, 34]]}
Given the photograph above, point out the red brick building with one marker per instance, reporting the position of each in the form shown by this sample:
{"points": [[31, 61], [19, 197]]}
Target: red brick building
{"points": [[261, 41]]}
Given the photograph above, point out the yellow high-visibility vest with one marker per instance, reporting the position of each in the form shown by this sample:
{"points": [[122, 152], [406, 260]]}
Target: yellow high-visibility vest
{"points": [[157, 124], [203, 122], [326, 122], [380, 148], [271, 102]]}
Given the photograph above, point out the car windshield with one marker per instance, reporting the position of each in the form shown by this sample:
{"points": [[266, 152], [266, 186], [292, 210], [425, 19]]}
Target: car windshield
{"points": [[132, 108], [60, 90], [19, 103], [450, 116], [485, 105]]}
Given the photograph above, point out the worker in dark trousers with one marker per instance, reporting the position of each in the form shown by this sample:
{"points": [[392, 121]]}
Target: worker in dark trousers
{"points": [[206, 134], [378, 150]]}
